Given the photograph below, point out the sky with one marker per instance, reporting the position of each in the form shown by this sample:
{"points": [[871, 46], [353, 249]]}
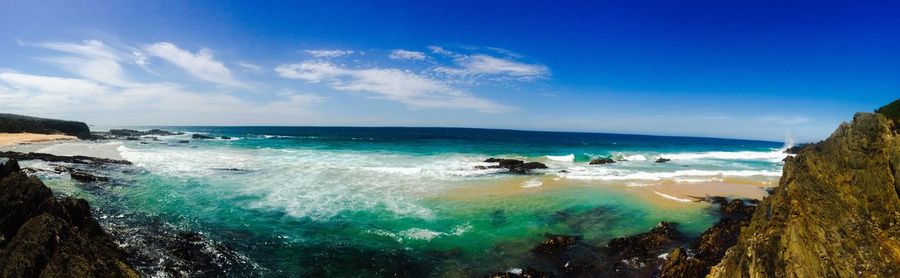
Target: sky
{"points": [[757, 70]]}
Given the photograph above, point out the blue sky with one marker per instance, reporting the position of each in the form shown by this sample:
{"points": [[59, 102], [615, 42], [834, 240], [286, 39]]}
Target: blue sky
{"points": [[758, 70]]}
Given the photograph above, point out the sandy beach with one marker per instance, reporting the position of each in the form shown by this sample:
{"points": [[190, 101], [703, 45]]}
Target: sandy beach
{"points": [[11, 139]]}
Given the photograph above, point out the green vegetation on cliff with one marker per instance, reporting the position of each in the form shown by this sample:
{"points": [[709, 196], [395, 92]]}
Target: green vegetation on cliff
{"points": [[18, 123], [836, 212], [891, 111]]}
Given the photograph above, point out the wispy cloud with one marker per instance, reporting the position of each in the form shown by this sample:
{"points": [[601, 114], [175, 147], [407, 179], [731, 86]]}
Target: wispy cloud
{"points": [[400, 54], [483, 65], [328, 53], [784, 120], [201, 65], [91, 59], [250, 67], [406, 87]]}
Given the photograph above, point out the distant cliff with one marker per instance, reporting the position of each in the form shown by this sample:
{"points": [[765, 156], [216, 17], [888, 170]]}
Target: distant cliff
{"points": [[41, 236], [836, 212], [18, 123]]}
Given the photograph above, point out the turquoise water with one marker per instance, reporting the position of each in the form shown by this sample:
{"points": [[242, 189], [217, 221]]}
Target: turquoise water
{"points": [[402, 201]]}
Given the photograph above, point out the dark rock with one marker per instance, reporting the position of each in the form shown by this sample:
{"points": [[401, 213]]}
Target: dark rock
{"points": [[86, 177], [602, 160], [225, 138], [42, 236], [8, 167], [514, 165], [230, 169], [645, 244], [129, 134], [711, 246], [555, 245], [17, 123], [183, 141], [62, 158], [662, 160], [201, 136]]}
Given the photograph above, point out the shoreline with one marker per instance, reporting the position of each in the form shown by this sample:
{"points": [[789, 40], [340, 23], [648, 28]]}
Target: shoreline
{"points": [[25, 138]]}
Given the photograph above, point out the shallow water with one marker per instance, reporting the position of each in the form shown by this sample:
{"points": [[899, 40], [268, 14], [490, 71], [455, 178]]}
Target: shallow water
{"points": [[405, 201]]}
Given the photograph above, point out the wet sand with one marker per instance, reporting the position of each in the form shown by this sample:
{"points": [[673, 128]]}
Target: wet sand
{"points": [[663, 194], [12, 139]]}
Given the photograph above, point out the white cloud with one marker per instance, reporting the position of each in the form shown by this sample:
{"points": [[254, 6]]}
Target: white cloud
{"points": [[783, 120], [91, 59], [484, 64], [476, 65], [397, 85], [441, 51], [329, 53], [201, 65], [56, 85], [250, 67], [400, 54], [155, 103]]}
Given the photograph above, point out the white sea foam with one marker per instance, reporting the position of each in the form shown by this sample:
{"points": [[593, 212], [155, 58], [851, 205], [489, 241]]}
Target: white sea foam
{"points": [[670, 197], [569, 157], [771, 156], [532, 183], [636, 157], [597, 173], [317, 184], [421, 233]]}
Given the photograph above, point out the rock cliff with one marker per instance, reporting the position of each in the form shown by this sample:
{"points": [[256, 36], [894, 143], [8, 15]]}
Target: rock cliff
{"points": [[836, 212]]}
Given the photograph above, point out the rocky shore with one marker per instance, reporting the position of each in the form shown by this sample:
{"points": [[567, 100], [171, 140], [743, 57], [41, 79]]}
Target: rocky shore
{"points": [[46, 237]]}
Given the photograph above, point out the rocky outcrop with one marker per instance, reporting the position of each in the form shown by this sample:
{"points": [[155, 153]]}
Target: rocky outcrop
{"points": [[796, 149], [836, 212], [17, 123], [201, 136], [41, 236], [602, 160], [711, 246], [78, 159], [629, 256], [514, 165], [131, 134], [662, 160]]}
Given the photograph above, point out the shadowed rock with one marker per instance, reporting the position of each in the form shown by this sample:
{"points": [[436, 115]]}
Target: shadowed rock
{"points": [[514, 165], [41, 236], [62, 158], [201, 136], [602, 160], [662, 160]]}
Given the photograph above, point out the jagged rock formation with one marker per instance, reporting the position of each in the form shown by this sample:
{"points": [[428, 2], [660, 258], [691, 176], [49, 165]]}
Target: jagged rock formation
{"points": [[41, 236], [17, 123], [836, 212], [711, 246]]}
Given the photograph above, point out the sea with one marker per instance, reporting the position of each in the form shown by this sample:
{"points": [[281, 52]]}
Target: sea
{"points": [[390, 201]]}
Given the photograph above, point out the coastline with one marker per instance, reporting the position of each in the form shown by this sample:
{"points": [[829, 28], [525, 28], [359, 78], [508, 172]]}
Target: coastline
{"points": [[24, 138]]}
